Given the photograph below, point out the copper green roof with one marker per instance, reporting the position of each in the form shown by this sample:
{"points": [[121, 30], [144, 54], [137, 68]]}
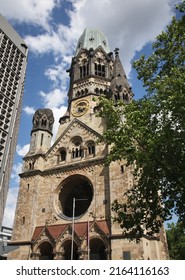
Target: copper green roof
{"points": [[92, 38]]}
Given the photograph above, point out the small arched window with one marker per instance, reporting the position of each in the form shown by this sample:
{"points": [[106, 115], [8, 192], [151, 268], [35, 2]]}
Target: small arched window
{"points": [[116, 96], [91, 148], [44, 122], [63, 155], [77, 150]]}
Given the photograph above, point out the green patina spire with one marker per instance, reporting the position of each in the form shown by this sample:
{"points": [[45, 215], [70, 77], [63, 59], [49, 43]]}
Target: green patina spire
{"points": [[92, 38]]}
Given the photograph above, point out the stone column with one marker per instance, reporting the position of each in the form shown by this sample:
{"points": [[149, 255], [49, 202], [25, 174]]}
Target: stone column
{"points": [[35, 256], [82, 254], [107, 252], [59, 255]]}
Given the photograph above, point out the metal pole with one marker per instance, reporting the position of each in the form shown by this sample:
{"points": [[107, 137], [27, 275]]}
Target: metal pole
{"points": [[88, 247], [72, 241]]}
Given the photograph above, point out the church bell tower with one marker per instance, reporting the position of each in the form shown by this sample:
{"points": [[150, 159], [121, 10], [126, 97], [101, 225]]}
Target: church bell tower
{"points": [[64, 204]]}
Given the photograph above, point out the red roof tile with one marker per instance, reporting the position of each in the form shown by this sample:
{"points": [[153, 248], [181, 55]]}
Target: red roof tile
{"points": [[104, 226], [80, 229], [56, 230], [37, 232]]}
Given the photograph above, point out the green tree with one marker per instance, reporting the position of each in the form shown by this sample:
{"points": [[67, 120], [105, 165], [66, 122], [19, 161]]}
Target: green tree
{"points": [[176, 241], [151, 136]]}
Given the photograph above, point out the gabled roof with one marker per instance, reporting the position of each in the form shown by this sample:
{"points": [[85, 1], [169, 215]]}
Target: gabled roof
{"points": [[93, 52], [56, 230], [81, 229], [74, 123], [37, 232]]}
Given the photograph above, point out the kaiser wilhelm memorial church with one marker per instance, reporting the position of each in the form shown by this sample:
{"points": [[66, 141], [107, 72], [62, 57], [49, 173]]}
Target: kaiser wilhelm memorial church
{"points": [[66, 190]]}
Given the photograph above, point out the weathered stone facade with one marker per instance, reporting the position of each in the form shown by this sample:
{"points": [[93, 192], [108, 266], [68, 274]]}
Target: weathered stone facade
{"points": [[66, 191]]}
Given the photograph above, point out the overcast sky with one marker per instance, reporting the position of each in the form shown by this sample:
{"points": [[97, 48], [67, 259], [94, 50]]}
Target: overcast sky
{"points": [[51, 29]]}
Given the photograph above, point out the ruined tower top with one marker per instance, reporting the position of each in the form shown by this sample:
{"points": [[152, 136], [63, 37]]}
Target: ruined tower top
{"points": [[43, 120]]}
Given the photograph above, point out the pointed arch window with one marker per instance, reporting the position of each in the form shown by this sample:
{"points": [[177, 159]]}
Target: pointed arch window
{"points": [[100, 69], [84, 69], [44, 122]]}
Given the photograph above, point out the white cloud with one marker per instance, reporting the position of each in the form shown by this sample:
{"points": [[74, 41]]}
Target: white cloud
{"points": [[44, 43], [128, 24], [12, 195], [22, 151], [10, 207], [53, 99], [29, 110], [30, 11], [58, 113], [16, 170], [57, 74]]}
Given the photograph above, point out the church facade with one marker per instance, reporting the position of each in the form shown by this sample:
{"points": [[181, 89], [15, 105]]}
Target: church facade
{"points": [[66, 190]]}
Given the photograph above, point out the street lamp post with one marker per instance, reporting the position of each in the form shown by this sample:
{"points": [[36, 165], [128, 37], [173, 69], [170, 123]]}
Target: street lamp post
{"points": [[88, 241], [73, 224]]}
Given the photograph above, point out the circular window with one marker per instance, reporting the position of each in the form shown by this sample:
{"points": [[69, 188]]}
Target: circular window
{"points": [[75, 196]]}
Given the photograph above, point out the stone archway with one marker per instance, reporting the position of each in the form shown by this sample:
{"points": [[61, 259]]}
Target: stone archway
{"points": [[97, 249], [66, 246], [46, 251]]}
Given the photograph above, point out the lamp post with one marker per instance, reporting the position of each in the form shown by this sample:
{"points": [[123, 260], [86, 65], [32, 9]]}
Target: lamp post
{"points": [[73, 223], [88, 241]]}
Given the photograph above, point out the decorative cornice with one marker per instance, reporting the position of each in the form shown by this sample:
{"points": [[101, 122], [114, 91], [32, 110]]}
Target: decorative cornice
{"points": [[31, 173], [35, 156], [65, 168]]}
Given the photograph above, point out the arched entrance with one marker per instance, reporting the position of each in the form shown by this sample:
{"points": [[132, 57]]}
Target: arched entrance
{"points": [[46, 251], [97, 249], [67, 250]]}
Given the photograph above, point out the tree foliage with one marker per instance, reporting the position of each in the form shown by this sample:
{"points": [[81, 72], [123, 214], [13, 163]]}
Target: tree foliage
{"points": [[151, 136], [176, 241]]}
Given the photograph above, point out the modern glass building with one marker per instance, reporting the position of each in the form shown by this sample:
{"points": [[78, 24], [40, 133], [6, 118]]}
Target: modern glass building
{"points": [[13, 61]]}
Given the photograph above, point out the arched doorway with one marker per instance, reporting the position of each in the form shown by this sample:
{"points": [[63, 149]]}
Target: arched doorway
{"points": [[46, 251], [67, 250], [97, 249]]}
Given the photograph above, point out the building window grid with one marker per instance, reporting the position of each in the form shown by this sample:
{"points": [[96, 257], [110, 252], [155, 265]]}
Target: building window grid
{"points": [[100, 69], [11, 60], [10, 85]]}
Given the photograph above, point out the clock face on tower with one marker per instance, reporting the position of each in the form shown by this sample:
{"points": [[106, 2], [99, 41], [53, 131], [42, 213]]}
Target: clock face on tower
{"points": [[80, 108]]}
